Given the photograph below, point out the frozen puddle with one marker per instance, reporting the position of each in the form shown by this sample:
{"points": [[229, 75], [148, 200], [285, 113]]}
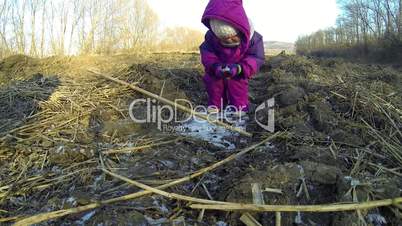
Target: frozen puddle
{"points": [[219, 136]]}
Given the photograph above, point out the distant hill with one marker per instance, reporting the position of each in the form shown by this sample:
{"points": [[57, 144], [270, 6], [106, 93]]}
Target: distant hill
{"points": [[275, 47]]}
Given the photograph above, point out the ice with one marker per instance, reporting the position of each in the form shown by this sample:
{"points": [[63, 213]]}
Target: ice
{"points": [[376, 219], [87, 216], [219, 136], [221, 223]]}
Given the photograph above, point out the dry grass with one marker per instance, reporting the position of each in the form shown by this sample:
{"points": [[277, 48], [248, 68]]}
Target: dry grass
{"points": [[55, 138]]}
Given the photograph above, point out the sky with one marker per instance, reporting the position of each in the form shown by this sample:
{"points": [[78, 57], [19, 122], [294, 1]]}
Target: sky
{"points": [[276, 20]]}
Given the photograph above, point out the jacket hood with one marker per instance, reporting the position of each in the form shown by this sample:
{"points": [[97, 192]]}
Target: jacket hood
{"points": [[230, 11]]}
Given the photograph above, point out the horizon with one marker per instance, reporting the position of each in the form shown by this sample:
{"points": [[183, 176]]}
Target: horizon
{"points": [[298, 20], [57, 27]]}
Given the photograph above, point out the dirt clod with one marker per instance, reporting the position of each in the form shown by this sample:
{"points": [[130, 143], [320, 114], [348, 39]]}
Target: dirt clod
{"points": [[60, 125]]}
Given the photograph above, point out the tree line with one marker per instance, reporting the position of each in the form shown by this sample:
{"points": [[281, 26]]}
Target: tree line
{"points": [[365, 28], [41, 28]]}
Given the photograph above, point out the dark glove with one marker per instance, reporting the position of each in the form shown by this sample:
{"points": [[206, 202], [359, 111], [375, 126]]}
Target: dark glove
{"points": [[232, 70], [219, 73]]}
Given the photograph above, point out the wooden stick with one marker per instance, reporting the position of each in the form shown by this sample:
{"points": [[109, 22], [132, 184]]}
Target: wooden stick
{"points": [[8, 219], [249, 220], [61, 213], [160, 192], [383, 168], [258, 197], [174, 104], [273, 190], [278, 219], [201, 216], [133, 149], [306, 208]]}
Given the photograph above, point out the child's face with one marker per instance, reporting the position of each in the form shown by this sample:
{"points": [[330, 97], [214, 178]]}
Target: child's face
{"points": [[231, 40]]}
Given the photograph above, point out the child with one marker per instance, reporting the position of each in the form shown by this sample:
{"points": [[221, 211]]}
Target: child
{"points": [[231, 54]]}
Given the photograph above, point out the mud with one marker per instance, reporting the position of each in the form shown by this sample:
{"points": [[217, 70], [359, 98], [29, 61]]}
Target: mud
{"points": [[60, 122]]}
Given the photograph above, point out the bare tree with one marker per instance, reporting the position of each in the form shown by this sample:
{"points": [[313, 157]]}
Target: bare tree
{"points": [[43, 24], [4, 13], [41, 27], [77, 16], [33, 6], [141, 25], [362, 24], [181, 38], [18, 23], [64, 15], [93, 13], [400, 20]]}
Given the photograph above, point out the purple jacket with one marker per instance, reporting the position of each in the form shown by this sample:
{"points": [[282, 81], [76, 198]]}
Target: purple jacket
{"points": [[250, 53]]}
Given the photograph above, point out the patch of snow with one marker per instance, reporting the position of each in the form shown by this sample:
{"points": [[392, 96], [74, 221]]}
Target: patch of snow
{"points": [[161, 207], [221, 223], [85, 218], [219, 136], [72, 201], [167, 163], [157, 222], [298, 218], [269, 145], [377, 219], [60, 149]]}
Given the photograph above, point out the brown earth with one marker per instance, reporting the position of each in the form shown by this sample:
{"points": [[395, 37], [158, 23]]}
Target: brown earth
{"points": [[343, 140]]}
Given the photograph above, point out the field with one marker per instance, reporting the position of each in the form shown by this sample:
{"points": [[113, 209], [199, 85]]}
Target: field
{"points": [[273, 48], [68, 143]]}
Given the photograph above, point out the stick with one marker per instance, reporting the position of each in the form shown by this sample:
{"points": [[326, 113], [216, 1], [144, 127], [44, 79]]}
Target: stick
{"points": [[306, 208], [174, 104], [133, 149], [258, 197], [278, 219], [249, 220], [201, 216], [8, 219], [273, 190], [383, 168], [61, 213], [160, 192]]}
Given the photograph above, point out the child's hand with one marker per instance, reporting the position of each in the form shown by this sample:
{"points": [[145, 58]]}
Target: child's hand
{"points": [[232, 70], [227, 71], [219, 70]]}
